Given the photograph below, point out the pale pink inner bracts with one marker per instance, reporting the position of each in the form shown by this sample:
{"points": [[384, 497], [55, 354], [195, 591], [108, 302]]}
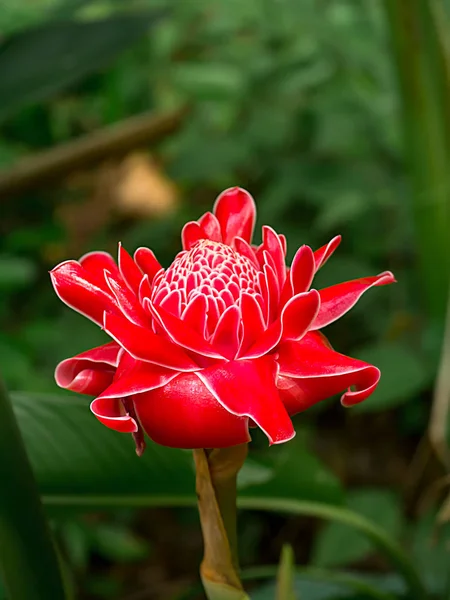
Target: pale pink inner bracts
{"points": [[226, 338]]}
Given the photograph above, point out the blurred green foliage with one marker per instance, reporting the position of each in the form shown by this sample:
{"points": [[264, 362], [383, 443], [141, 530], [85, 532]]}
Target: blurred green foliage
{"points": [[297, 101]]}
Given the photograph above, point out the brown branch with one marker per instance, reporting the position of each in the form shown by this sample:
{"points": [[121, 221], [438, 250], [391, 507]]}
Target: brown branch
{"points": [[115, 140]]}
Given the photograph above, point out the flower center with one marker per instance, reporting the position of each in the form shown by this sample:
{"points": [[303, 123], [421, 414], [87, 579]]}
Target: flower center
{"points": [[211, 269]]}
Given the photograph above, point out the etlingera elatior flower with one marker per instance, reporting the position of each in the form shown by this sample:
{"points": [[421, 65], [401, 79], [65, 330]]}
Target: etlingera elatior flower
{"points": [[227, 338]]}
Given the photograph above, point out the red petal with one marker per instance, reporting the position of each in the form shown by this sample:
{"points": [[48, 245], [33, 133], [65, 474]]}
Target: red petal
{"points": [[320, 372], [112, 414], [145, 345], [302, 270], [127, 301], [145, 290], [211, 226], [147, 262], [89, 372], [272, 244], [226, 336], [77, 288], [323, 254], [181, 333], [236, 211], [192, 233], [298, 314], [247, 388], [195, 314], [336, 300], [184, 414], [252, 321], [266, 341], [246, 250], [129, 270], [96, 263], [138, 378]]}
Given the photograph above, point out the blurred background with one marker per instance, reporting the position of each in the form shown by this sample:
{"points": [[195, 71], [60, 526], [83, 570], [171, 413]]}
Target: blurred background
{"points": [[122, 121]]}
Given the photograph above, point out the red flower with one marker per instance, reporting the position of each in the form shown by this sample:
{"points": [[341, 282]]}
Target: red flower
{"points": [[226, 337]]}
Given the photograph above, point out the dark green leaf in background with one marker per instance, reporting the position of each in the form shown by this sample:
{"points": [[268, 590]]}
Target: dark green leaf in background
{"points": [[37, 63], [337, 545], [403, 375]]}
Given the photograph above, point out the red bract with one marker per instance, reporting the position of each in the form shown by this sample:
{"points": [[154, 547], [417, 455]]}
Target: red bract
{"points": [[226, 338]]}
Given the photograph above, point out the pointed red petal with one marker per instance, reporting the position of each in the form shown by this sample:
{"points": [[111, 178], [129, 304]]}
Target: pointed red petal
{"points": [[302, 270], [266, 341], [184, 414], [131, 273], [339, 299], [192, 232], [147, 262], [127, 301], [181, 333], [299, 313], [246, 250], [145, 345], [319, 372], [323, 254], [96, 263], [252, 322], [211, 226], [112, 414], [247, 388], [77, 288], [272, 245], [195, 313], [226, 336], [236, 211]]}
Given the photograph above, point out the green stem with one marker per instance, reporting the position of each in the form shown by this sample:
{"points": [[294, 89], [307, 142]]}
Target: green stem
{"points": [[216, 473], [28, 560]]}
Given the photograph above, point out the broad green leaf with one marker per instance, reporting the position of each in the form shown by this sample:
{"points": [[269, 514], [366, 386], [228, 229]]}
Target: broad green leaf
{"points": [[36, 63], [403, 375], [336, 544], [75, 457]]}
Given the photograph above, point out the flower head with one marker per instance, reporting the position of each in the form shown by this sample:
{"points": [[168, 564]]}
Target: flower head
{"points": [[224, 339]]}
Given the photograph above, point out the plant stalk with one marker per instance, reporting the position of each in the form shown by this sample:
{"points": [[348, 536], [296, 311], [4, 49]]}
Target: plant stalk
{"points": [[216, 474]]}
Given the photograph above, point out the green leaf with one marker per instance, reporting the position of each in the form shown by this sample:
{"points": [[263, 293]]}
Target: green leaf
{"points": [[337, 544], [16, 272], [39, 62], [403, 375], [209, 80], [431, 551], [74, 455], [309, 590], [323, 584], [297, 473], [117, 543], [26, 550]]}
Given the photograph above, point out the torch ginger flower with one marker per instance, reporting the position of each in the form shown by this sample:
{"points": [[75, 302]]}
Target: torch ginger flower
{"points": [[226, 338]]}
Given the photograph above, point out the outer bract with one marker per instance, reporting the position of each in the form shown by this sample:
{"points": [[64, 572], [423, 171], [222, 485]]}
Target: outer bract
{"points": [[226, 338]]}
